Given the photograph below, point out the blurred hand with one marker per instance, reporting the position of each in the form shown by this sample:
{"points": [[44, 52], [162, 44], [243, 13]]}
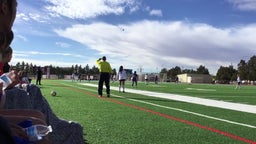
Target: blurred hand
{"points": [[14, 77]]}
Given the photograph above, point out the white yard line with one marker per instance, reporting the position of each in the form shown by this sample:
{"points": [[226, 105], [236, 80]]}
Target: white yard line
{"points": [[201, 89], [207, 102], [189, 112]]}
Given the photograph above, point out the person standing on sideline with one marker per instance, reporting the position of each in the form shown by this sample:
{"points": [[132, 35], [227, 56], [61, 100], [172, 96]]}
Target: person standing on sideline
{"points": [[79, 77], [134, 78], [73, 77], [38, 75], [156, 79], [113, 78], [238, 82], [105, 72], [88, 78], [146, 79], [121, 77]]}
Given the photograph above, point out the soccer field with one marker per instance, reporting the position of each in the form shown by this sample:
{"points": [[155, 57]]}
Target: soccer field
{"points": [[135, 118]]}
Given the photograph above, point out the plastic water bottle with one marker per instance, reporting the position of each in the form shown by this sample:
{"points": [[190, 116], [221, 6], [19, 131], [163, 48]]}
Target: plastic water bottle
{"points": [[6, 79], [37, 132]]}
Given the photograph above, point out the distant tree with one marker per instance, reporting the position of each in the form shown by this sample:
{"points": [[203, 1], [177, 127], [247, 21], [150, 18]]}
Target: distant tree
{"points": [[22, 67], [95, 70], [128, 71], [173, 72], [34, 69], [189, 71], [243, 70], [202, 70], [17, 67], [73, 69], [59, 72], [76, 69], [226, 74], [252, 68], [87, 69], [52, 69], [30, 69], [80, 69], [163, 73], [164, 70]]}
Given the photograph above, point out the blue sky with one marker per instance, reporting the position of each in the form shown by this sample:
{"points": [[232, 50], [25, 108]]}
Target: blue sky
{"points": [[147, 34]]}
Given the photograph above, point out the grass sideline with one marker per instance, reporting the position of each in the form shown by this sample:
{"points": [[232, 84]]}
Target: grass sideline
{"points": [[129, 118]]}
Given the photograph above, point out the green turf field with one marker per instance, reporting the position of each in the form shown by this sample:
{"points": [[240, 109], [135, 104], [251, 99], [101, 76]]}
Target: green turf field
{"points": [[128, 118]]}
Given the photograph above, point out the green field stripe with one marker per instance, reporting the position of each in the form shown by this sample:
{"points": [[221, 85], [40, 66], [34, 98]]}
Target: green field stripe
{"points": [[189, 112], [202, 101]]}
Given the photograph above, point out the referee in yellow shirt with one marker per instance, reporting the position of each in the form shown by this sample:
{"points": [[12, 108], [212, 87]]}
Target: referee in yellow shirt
{"points": [[105, 72]]}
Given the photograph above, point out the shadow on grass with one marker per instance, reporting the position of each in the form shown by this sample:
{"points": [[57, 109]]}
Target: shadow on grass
{"points": [[57, 96]]}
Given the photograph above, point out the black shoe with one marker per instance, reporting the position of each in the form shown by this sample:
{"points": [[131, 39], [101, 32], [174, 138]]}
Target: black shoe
{"points": [[108, 95]]}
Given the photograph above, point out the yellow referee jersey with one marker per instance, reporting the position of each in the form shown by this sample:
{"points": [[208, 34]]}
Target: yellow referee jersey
{"points": [[104, 67]]}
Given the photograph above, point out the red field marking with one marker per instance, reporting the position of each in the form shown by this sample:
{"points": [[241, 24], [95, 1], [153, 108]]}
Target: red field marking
{"points": [[170, 117]]}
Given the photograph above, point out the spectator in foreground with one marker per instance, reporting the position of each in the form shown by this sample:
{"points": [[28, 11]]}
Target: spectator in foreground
{"points": [[64, 132]]}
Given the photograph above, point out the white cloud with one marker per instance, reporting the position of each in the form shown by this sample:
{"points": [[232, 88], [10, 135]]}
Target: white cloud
{"points": [[245, 5], [90, 8], [22, 16], [45, 62], [153, 43], [25, 53], [147, 8], [63, 44], [156, 13], [19, 56], [27, 13], [23, 38], [147, 44], [37, 17]]}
